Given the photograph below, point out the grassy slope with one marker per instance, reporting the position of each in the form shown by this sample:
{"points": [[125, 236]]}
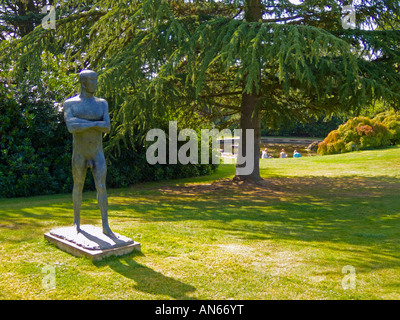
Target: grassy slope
{"points": [[288, 240]]}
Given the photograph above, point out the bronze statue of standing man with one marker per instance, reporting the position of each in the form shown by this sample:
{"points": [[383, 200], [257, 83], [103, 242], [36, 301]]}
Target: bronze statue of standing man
{"points": [[87, 119]]}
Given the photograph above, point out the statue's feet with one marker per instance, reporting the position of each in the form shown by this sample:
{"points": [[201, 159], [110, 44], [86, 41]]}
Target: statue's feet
{"points": [[77, 228], [107, 231]]}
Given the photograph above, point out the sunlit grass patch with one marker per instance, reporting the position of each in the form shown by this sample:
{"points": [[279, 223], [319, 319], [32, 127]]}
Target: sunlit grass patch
{"points": [[209, 238]]}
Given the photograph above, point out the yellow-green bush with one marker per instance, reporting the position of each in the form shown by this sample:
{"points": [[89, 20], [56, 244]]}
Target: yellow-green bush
{"points": [[391, 120], [361, 133]]}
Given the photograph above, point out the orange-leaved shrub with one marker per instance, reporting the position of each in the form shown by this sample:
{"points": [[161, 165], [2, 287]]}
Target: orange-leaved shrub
{"points": [[359, 133]]}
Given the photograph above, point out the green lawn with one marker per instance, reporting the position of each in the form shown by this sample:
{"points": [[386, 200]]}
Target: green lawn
{"points": [[208, 239]]}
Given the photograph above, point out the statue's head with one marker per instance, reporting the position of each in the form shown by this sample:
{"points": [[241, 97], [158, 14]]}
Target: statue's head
{"points": [[88, 80]]}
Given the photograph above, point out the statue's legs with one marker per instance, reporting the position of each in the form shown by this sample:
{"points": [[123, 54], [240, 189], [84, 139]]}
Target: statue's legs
{"points": [[99, 171], [78, 173]]}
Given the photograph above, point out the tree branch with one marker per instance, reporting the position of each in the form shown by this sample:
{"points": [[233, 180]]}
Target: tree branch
{"points": [[221, 94]]}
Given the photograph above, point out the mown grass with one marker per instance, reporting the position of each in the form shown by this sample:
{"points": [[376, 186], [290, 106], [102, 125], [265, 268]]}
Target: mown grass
{"points": [[207, 238]]}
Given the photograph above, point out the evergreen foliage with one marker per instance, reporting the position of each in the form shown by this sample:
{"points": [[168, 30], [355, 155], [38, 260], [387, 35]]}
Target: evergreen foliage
{"points": [[35, 145], [19, 18], [36, 148], [314, 127], [204, 60]]}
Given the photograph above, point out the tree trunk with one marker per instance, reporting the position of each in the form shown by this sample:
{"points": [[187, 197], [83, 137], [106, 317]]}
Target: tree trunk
{"points": [[253, 10], [25, 26], [250, 117]]}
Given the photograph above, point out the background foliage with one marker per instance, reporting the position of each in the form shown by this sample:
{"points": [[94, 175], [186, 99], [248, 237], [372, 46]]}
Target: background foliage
{"points": [[315, 127], [36, 147], [362, 133], [254, 62], [266, 61]]}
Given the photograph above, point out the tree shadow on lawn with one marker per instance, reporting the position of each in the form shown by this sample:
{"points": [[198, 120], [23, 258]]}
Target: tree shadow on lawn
{"points": [[38, 213], [349, 211], [342, 211], [146, 279]]}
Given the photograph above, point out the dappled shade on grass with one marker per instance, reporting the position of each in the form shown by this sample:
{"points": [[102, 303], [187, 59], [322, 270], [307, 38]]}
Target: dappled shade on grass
{"points": [[212, 238]]}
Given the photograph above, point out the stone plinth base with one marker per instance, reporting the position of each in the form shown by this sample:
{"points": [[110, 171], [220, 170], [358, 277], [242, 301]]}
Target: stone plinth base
{"points": [[91, 242]]}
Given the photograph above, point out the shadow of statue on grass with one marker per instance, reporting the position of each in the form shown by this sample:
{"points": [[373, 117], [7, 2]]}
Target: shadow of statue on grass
{"points": [[146, 279]]}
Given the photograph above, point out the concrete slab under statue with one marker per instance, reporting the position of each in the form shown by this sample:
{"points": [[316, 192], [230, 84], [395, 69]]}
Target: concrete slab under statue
{"points": [[87, 119], [91, 242]]}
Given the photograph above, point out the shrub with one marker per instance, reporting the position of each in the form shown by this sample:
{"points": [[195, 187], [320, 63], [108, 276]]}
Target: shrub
{"points": [[340, 146], [359, 133], [391, 120], [322, 148], [36, 148], [131, 167], [34, 144]]}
